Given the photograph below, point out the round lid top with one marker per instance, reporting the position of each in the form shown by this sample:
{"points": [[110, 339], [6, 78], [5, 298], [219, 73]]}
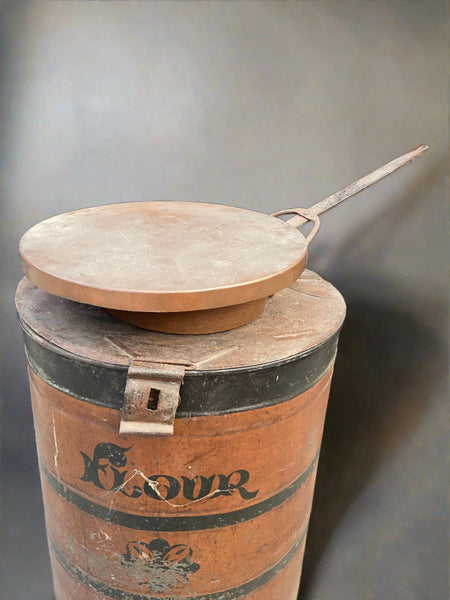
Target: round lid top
{"points": [[297, 319], [163, 256]]}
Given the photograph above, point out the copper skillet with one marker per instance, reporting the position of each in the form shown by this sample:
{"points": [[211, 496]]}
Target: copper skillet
{"points": [[178, 267]]}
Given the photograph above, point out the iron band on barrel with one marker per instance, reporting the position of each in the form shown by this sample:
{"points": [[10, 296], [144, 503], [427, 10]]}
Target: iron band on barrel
{"points": [[230, 594], [202, 393], [179, 523]]}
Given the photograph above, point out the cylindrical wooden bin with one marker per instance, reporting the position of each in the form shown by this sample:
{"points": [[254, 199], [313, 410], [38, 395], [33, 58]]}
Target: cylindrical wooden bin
{"points": [[220, 509]]}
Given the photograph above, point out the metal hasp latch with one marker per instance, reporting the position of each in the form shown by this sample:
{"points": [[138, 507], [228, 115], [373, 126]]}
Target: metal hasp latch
{"points": [[152, 395]]}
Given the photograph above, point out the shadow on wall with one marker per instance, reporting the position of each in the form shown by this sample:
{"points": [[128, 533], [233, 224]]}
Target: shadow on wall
{"points": [[386, 364]]}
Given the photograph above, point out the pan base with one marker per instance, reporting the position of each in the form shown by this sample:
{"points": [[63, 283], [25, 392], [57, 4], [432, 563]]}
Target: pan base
{"points": [[195, 322]]}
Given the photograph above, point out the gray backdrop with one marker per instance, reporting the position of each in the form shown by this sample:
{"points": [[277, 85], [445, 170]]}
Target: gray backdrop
{"points": [[263, 105]]}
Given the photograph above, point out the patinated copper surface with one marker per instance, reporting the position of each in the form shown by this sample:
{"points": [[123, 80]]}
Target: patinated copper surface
{"points": [[147, 261], [163, 256], [210, 320]]}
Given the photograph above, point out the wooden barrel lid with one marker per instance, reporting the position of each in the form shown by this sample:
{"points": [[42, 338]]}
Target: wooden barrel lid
{"points": [[179, 267]]}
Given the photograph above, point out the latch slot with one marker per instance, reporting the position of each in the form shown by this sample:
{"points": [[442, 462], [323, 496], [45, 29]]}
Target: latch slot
{"points": [[153, 399], [152, 395]]}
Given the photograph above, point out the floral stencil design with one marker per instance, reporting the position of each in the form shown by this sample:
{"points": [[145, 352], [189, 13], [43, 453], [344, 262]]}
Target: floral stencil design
{"points": [[159, 566]]}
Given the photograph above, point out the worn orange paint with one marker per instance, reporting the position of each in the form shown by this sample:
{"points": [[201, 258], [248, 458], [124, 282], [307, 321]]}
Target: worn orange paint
{"points": [[275, 445]]}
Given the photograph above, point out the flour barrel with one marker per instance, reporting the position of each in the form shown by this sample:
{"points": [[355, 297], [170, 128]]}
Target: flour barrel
{"points": [[218, 510]]}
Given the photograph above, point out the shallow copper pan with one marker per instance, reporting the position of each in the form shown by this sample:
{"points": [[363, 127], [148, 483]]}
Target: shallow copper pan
{"points": [[178, 267]]}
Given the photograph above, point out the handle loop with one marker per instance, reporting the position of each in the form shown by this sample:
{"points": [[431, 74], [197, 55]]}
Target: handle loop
{"points": [[306, 215]]}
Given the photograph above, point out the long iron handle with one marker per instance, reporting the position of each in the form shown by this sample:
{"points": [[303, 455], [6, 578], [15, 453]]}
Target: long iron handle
{"points": [[303, 215]]}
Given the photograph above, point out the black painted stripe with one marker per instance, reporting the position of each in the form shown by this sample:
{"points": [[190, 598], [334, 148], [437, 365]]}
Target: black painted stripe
{"points": [[179, 523], [230, 594], [202, 392]]}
